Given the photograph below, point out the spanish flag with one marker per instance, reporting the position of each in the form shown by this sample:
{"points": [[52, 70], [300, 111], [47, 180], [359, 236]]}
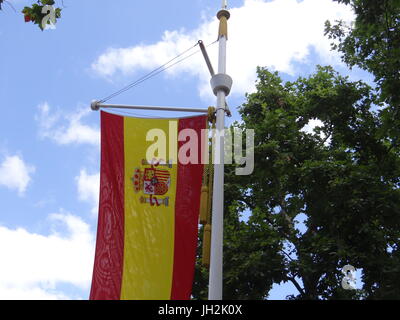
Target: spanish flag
{"points": [[149, 208]]}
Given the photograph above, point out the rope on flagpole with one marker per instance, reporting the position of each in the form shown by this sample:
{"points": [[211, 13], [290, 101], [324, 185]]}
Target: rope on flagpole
{"points": [[155, 72], [206, 194]]}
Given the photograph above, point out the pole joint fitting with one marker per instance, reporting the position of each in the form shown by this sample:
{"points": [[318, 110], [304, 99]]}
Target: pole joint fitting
{"points": [[95, 105], [220, 82], [223, 13]]}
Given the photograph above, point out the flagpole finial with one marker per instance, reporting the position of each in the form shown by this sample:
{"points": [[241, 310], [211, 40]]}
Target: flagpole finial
{"points": [[223, 16]]}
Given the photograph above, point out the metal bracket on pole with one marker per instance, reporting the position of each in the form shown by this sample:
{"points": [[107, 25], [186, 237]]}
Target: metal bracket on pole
{"points": [[218, 81], [205, 55], [222, 82], [227, 111]]}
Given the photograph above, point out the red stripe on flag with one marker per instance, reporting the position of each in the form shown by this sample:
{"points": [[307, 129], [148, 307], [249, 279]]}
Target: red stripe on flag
{"points": [[187, 216], [162, 173], [108, 263]]}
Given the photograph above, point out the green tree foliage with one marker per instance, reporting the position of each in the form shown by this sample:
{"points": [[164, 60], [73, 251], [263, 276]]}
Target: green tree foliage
{"points": [[251, 250], [343, 178], [373, 44], [347, 188], [34, 13]]}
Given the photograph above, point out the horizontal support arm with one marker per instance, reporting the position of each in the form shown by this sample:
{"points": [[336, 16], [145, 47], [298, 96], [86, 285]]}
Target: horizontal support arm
{"points": [[95, 106]]}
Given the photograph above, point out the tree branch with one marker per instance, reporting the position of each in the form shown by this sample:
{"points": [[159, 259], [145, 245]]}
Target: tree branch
{"points": [[286, 254], [289, 221], [296, 284]]}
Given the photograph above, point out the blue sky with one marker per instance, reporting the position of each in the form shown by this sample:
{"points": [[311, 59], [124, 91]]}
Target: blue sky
{"points": [[49, 138]]}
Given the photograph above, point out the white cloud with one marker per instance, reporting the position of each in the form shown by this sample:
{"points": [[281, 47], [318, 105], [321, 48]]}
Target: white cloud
{"points": [[66, 128], [34, 293], [15, 174], [88, 188], [274, 33], [33, 265]]}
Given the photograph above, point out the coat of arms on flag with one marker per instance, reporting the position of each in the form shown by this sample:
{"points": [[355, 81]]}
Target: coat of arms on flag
{"points": [[153, 180]]}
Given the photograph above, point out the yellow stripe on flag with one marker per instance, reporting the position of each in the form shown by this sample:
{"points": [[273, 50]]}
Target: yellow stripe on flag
{"points": [[149, 230]]}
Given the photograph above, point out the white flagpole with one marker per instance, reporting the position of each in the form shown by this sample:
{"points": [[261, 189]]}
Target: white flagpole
{"points": [[221, 84]]}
